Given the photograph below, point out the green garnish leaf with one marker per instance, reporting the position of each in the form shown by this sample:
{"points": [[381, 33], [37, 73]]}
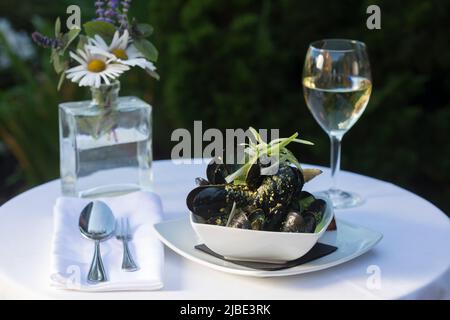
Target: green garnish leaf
{"points": [[254, 151]]}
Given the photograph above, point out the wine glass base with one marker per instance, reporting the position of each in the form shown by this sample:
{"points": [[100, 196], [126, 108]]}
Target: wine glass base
{"points": [[343, 199]]}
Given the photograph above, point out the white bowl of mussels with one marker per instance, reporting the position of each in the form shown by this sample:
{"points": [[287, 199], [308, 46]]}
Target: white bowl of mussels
{"points": [[257, 227]]}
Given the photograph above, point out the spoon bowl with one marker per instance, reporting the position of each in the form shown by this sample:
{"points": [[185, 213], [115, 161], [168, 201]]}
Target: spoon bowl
{"points": [[97, 223]]}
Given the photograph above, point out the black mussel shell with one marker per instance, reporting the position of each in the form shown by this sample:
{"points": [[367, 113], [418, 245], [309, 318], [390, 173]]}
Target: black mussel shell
{"points": [[240, 221], [208, 201], [293, 222], [217, 170], [218, 221], [317, 209], [300, 182], [201, 182], [257, 219], [254, 177], [309, 224], [275, 218]]}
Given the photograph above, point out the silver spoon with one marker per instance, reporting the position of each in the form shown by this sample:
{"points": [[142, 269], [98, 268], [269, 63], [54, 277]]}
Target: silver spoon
{"points": [[97, 223]]}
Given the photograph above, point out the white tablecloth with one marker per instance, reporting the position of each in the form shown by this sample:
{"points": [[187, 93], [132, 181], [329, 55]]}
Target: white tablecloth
{"points": [[411, 262]]}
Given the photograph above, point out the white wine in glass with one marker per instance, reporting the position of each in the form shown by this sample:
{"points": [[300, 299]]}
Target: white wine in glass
{"points": [[337, 86]]}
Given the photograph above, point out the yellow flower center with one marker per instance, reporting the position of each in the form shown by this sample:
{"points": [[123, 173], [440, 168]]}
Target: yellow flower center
{"points": [[120, 54], [96, 65]]}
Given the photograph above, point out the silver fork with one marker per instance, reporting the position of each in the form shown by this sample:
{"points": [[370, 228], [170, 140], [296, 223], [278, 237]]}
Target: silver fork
{"points": [[123, 234]]}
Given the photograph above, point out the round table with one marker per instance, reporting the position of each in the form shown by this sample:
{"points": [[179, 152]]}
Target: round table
{"points": [[412, 261]]}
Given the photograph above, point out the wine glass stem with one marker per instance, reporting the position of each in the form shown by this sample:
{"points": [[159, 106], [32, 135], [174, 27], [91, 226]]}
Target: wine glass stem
{"points": [[335, 160]]}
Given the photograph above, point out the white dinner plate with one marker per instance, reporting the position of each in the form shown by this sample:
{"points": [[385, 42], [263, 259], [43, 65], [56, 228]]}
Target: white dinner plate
{"points": [[351, 241]]}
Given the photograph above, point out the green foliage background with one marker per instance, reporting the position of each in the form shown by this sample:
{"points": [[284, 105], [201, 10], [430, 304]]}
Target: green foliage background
{"points": [[237, 63]]}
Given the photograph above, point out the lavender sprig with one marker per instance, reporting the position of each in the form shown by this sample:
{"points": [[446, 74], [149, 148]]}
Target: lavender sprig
{"points": [[103, 11], [123, 18], [100, 8], [126, 6], [113, 9], [46, 42]]}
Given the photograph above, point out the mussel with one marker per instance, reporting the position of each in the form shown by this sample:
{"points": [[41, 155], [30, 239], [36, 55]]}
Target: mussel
{"points": [[297, 222], [257, 219], [292, 222], [208, 201], [240, 221], [254, 178], [317, 209], [218, 221], [275, 218], [309, 224], [272, 202], [217, 170], [201, 182], [213, 200]]}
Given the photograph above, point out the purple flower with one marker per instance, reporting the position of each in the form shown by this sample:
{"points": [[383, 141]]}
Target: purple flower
{"points": [[110, 13], [113, 11], [44, 41], [123, 17], [126, 6], [114, 4], [100, 10]]}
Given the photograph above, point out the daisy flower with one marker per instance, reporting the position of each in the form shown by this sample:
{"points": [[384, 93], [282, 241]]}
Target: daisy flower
{"points": [[94, 69], [121, 50]]}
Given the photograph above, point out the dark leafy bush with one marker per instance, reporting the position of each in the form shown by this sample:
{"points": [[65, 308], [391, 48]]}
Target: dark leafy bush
{"points": [[237, 63]]}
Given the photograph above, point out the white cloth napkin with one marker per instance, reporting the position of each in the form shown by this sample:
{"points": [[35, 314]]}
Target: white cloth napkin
{"points": [[72, 253]]}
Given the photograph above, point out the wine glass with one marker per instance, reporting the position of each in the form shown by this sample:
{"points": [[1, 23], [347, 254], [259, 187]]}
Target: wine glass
{"points": [[337, 85]]}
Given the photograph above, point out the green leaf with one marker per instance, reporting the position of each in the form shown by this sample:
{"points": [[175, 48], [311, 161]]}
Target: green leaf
{"points": [[61, 79], [82, 42], [104, 29], [57, 27], [69, 37], [147, 49], [144, 30], [59, 63]]}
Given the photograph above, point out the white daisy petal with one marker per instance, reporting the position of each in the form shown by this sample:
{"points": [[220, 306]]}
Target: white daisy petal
{"points": [[98, 81], [133, 52], [110, 75], [92, 74], [85, 81], [92, 79], [78, 76], [83, 54], [77, 58], [75, 76], [75, 69], [124, 40], [100, 42], [105, 78], [101, 51], [115, 41], [139, 62]]}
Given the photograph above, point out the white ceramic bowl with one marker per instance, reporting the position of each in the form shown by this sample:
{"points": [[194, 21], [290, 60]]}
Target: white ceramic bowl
{"points": [[263, 246]]}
